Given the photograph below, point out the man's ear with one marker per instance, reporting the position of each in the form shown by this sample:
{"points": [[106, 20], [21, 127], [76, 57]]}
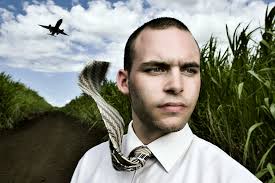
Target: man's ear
{"points": [[122, 81]]}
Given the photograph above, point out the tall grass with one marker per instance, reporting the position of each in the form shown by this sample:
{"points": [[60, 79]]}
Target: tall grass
{"points": [[18, 102], [236, 108], [85, 109]]}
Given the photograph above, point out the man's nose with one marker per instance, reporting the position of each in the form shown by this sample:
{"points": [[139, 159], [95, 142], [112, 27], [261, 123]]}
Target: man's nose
{"points": [[174, 82]]}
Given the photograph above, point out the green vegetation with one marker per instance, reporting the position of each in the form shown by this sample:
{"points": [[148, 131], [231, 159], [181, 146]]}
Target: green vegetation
{"points": [[85, 109], [18, 102], [236, 108]]}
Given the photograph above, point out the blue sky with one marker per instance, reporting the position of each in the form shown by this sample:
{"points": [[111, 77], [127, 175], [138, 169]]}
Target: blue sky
{"points": [[98, 30]]}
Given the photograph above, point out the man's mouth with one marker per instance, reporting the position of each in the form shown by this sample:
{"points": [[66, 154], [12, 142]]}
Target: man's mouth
{"points": [[172, 107]]}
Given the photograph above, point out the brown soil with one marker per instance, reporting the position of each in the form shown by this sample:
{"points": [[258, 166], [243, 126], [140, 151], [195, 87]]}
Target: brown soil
{"points": [[45, 149]]}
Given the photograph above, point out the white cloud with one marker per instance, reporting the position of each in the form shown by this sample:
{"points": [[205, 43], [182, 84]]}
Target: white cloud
{"points": [[5, 15], [100, 31]]}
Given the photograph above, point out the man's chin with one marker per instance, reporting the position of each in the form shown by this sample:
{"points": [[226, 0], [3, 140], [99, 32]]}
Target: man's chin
{"points": [[169, 126]]}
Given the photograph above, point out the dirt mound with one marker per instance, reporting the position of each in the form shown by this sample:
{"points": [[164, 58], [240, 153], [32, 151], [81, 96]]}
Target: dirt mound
{"points": [[45, 149]]}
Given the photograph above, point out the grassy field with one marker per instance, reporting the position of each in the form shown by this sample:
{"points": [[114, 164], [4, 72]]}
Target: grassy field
{"points": [[85, 109], [235, 111], [18, 102], [236, 108]]}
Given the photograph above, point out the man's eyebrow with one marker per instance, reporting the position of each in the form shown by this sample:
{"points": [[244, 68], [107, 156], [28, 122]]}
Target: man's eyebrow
{"points": [[190, 64], [165, 64], [155, 63]]}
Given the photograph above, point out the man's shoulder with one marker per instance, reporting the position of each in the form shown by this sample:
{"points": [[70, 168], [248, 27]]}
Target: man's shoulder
{"points": [[98, 150], [215, 158], [211, 152], [95, 161], [94, 157], [206, 146]]}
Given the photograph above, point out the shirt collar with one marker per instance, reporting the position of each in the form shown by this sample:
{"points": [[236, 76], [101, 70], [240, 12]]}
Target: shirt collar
{"points": [[167, 149], [130, 141]]}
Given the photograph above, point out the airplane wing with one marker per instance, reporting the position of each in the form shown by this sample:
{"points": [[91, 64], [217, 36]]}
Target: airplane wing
{"points": [[47, 27], [62, 32]]}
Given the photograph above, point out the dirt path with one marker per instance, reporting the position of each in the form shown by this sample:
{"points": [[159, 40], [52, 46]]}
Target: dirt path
{"points": [[45, 149]]}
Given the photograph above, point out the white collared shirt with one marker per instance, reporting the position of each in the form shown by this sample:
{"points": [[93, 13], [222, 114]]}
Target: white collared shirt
{"points": [[179, 157]]}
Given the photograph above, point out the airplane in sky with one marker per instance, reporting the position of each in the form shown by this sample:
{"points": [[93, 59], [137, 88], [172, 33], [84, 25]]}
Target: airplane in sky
{"points": [[55, 29]]}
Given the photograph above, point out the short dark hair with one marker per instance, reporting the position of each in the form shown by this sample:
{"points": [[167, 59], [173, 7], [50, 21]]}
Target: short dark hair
{"points": [[157, 24]]}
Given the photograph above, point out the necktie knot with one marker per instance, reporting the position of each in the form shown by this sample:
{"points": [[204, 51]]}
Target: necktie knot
{"points": [[140, 151], [140, 154]]}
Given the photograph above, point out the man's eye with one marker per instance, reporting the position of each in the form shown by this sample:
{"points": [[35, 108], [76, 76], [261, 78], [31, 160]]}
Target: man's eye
{"points": [[190, 71], [155, 70]]}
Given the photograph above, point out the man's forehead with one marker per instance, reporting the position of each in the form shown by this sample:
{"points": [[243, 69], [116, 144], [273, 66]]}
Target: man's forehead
{"points": [[150, 33]]}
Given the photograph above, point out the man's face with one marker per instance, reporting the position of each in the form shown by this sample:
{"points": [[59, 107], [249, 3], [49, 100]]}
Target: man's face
{"points": [[164, 82]]}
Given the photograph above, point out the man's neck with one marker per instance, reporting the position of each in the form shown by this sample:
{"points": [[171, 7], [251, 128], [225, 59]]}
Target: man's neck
{"points": [[145, 134]]}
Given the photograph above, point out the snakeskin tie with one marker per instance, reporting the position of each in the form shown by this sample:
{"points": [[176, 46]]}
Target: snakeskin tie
{"points": [[89, 81]]}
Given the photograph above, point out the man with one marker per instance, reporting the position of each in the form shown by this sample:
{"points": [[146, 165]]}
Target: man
{"points": [[161, 76]]}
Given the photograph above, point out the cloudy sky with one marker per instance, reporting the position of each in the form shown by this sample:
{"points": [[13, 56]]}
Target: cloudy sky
{"points": [[98, 29]]}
